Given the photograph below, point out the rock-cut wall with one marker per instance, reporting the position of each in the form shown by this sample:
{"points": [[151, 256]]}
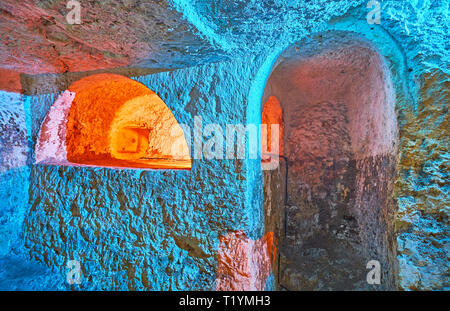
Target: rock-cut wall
{"points": [[152, 230]]}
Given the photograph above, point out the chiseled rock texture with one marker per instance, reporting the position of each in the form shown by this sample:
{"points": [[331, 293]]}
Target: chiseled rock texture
{"points": [[147, 230], [111, 34], [341, 148], [13, 131], [14, 173], [161, 229], [17, 270], [422, 185], [244, 264], [51, 144]]}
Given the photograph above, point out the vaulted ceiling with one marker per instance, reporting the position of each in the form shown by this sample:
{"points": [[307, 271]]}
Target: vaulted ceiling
{"points": [[36, 38]]}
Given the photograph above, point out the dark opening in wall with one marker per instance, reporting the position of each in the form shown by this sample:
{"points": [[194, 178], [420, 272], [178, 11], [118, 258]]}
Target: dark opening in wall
{"points": [[333, 212], [108, 120]]}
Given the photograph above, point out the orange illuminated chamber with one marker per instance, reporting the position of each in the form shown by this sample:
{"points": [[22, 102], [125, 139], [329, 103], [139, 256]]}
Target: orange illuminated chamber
{"points": [[114, 121], [272, 114]]}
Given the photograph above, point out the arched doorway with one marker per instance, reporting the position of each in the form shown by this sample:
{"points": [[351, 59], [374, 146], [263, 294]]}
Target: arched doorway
{"points": [[108, 120], [330, 203]]}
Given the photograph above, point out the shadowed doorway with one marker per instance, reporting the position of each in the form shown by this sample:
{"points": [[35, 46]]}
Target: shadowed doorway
{"points": [[330, 201]]}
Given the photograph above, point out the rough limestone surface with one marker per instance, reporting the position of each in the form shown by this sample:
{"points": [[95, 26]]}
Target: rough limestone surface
{"points": [[413, 37], [422, 186], [340, 144], [17, 270], [244, 264], [51, 144], [14, 173], [154, 230], [420, 31]]}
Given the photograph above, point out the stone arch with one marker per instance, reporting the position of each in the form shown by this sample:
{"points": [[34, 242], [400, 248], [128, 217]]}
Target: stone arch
{"points": [[331, 205], [108, 120]]}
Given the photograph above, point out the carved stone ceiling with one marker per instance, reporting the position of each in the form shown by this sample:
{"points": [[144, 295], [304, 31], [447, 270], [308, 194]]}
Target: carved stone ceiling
{"points": [[35, 37]]}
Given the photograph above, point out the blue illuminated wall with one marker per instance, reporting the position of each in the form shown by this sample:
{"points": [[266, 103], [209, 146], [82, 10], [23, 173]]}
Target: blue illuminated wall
{"points": [[134, 229]]}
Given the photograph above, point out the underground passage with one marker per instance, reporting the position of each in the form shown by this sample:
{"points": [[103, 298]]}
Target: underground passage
{"points": [[249, 145], [339, 138]]}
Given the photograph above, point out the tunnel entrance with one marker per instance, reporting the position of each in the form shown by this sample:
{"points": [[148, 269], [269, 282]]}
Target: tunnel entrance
{"points": [[330, 201], [108, 120]]}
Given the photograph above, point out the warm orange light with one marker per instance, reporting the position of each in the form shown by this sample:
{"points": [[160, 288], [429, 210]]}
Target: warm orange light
{"points": [[243, 263], [272, 114], [115, 121]]}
